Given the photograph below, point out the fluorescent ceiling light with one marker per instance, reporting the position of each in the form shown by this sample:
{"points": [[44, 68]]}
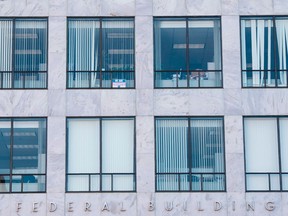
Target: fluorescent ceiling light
{"points": [[24, 146], [31, 52], [19, 134], [26, 36], [191, 46], [25, 157], [120, 51], [120, 35]]}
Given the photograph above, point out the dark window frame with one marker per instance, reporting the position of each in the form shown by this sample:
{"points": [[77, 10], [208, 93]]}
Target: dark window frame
{"points": [[100, 43], [187, 71], [189, 146], [12, 120], [35, 73], [100, 174], [280, 173]]}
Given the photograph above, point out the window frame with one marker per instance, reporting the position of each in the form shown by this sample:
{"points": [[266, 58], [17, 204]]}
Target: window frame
{"points": [[100, 43], [189, 147], [101, 118], [18, 119], [14, 20], [280, 173], [187, 69], [275, 59]]}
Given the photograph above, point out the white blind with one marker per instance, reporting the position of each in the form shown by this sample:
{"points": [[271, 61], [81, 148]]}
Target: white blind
{"points": [[261, 145], [283, 123]]}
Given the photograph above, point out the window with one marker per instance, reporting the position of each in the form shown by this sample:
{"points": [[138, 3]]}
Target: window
{"points": [[23, 53], [187, 52], [101, 53], [101, 154], [22, 155], [266, 150], [189, 154], [264, 51]]}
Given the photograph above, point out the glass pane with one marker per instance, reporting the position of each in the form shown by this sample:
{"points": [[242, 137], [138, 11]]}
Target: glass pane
{"points": [[83, 45], [204, 44], [282, 39], [117, 145], [107, 183], [166, 79], [5, 146], [207, 145], [283, 127], [254, 79], [83, 146], [117, 45], [261, 145], [122, 79], [29, 146], [5, 80], [257, 43], [123, 183], [30, 52], [210, 79], [6, 32], [213, 182], [196, 182], [282, 78], [30, 80], [106, 79], [17, 185], [275, 182], [33, 183], [78, 182], [4, 184], [78, 79], [167, 182], [170, 44], [257, 182], [285, 182], [95, 183]]}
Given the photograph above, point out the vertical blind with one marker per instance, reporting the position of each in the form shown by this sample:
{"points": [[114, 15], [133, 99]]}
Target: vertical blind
{"points": [[177, 156]]}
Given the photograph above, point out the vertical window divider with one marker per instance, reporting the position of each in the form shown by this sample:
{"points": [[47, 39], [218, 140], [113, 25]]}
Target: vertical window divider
{"points": [[100, 53], [100, 152], [11, 155], [189, 149]]}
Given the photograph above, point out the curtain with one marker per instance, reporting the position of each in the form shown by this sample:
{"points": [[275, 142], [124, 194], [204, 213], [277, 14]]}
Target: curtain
{"points": [[6, 32], [282, 39], [118, 154], [83, 153], [257, 33], [83, 41], [261, 151]]}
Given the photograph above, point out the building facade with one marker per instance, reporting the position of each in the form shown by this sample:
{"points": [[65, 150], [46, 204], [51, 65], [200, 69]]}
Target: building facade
{"points": [[143, 107]]}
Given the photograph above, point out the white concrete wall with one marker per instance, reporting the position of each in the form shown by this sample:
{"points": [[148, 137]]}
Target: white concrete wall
{"points": [[144, 102]]}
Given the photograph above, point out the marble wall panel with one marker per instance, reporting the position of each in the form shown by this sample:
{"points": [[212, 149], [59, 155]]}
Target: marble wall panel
{"points": [[144, 7], [144, 207], [144, 34], [284, 203], [206, 102], [31, 8], [30, 103], [144, 71], [56, 135], [6, 104], [56, 173], [56, 103], [58, 7], [252, 7], [259, 201], [145, 134], [145, 172], [236, 205], [118, 103], [203, 7], [233, 134], [7, 7], [280, 7], [233, 101], [230, 34], [59, 200], [5, 205], [144, 102], [264, 102], [171, 102], [57, 35], [83, 103], [230, 7], [57, 70], [26, 206], [84, 7], [235, 172], [169, 7], [231, 70], [117, 8]]}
